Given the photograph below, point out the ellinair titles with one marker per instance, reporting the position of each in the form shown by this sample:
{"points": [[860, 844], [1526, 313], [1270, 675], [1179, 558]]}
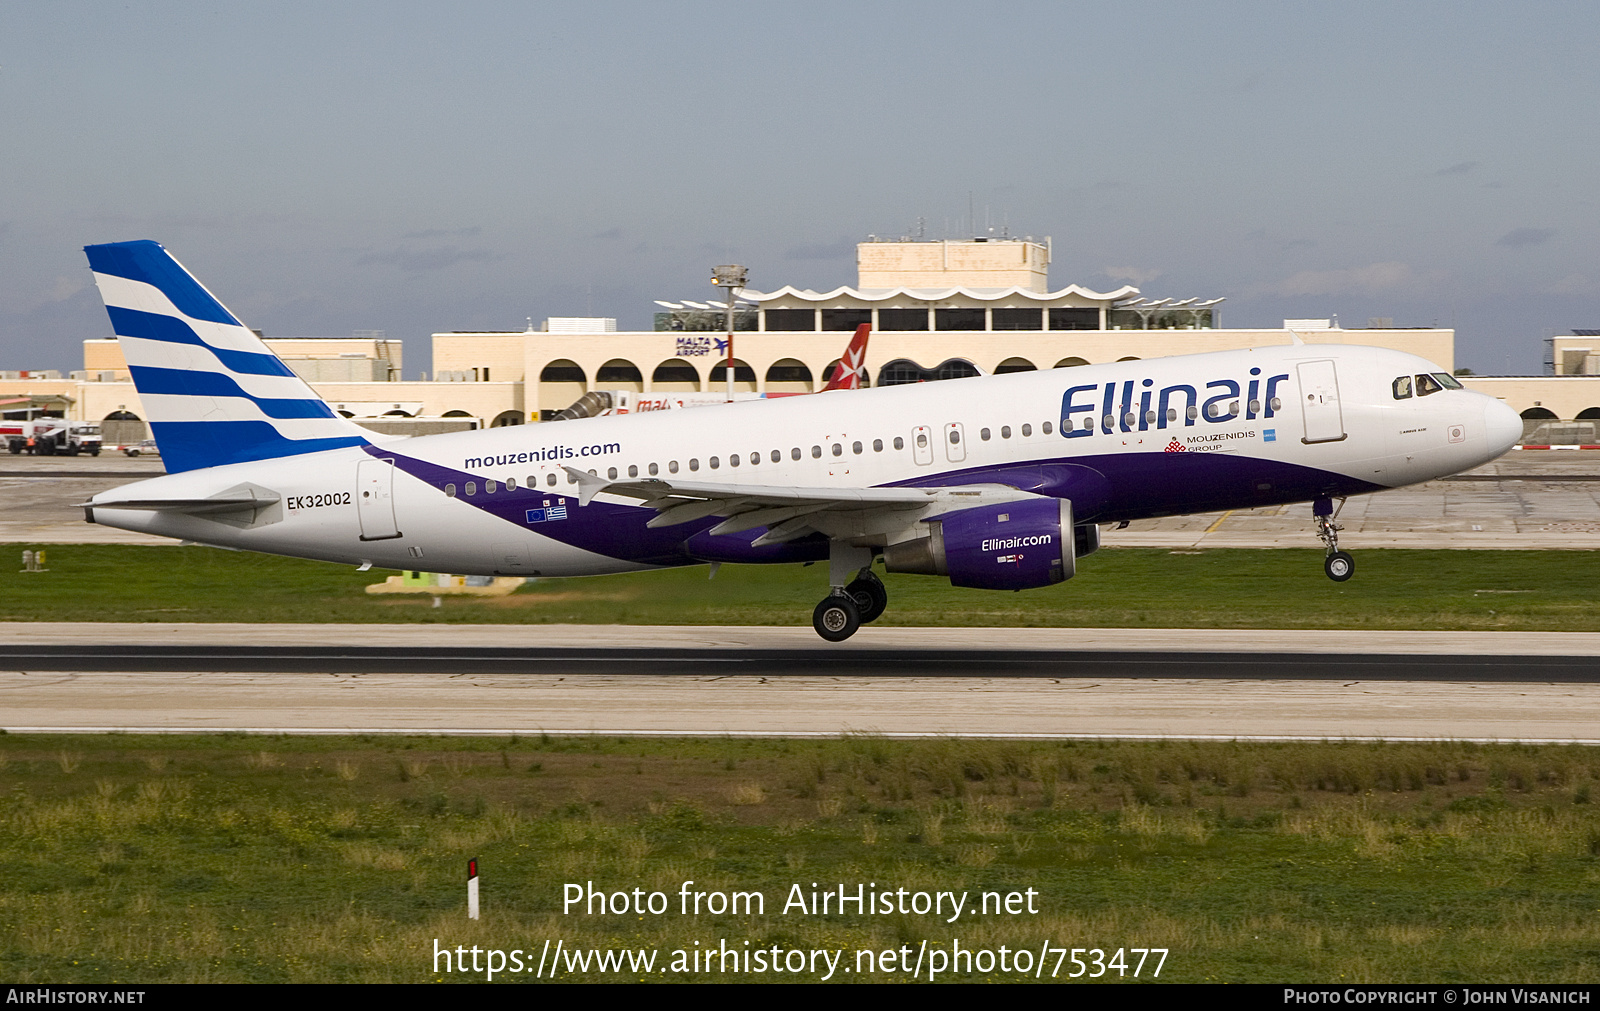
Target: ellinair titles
{"points": [[996, 482]]}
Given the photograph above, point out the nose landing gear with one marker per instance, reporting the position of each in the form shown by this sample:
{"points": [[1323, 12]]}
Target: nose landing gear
{"points": [[1339, 565]]}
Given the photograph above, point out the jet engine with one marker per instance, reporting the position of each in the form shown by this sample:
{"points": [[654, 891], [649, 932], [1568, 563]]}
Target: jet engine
{"points": [[1012, 546]]}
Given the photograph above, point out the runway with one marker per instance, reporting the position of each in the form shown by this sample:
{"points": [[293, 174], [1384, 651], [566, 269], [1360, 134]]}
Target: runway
{"points": [[1062, 683]]}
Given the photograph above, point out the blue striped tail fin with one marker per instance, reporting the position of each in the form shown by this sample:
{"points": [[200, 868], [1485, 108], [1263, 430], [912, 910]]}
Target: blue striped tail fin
{"points": [[213, 392]]}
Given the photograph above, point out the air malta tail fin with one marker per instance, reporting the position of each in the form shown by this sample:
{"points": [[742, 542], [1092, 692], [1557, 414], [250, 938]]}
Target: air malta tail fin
{"points": [[212, 391], [852, 366]]}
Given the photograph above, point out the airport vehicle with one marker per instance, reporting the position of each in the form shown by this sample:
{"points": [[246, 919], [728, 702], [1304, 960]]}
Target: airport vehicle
{"points": [[51, 436], [999, 482], [144, 447]]}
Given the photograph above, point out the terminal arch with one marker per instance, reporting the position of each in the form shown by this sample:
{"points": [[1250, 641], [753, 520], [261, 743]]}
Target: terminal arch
{"points": [[560, 383], [506, 418], [675, 376], [1067, 363], [1589, 414], [744, 377], [1130, 358], [790, 375], [1015, 365], [122, 428], [1538, 414], [620, 374]]}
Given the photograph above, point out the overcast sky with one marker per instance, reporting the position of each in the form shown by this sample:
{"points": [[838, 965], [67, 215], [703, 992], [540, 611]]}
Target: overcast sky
{"points": [[414, 167]]}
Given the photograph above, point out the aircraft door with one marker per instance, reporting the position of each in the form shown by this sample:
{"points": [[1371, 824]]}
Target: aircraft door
{"points": [[955, 442], [922, 445], [375, 499], [1319, 402]]}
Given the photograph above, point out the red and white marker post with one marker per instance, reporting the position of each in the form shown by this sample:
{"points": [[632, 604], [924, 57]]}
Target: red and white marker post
{"points": [[472, 889]]}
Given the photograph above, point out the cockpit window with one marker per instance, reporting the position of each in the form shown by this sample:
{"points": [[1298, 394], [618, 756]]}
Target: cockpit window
{"points": [[1426, 384], [1448, 380], [1402, 388]]}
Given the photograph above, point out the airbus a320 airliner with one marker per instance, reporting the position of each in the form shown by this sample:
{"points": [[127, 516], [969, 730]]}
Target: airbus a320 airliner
{"points": [[999, 482]]}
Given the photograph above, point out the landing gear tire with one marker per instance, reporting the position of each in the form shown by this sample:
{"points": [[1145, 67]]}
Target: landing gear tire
{"points": [[837, 617], [1339, 566], [871, 597]]}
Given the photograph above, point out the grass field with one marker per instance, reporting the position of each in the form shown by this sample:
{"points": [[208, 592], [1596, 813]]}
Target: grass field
{"points": [[1539, 590], [153, 859]]}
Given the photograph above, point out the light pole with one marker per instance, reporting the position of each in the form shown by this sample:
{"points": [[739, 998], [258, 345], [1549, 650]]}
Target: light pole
{"points": [[731, 278]]}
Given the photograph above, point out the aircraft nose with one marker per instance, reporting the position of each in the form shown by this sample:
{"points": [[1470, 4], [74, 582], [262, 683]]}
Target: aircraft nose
{"points": [[1503, 425]]}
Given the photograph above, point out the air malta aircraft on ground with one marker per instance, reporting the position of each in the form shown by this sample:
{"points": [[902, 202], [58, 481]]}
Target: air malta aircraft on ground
{"points": [[999, 482]]}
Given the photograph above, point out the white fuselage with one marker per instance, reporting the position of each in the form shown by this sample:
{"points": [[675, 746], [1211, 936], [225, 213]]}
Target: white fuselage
{"points": [[467, 502]]}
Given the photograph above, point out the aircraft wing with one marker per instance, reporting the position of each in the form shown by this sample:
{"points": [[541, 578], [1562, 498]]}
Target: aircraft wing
{"points": [[788, 512]]}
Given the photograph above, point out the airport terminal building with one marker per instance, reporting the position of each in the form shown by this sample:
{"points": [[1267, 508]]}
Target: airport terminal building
{"points": [[939, 309]]}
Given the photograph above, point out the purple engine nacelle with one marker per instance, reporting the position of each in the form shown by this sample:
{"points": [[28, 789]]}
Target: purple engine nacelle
{"points": [[1012, 546]]}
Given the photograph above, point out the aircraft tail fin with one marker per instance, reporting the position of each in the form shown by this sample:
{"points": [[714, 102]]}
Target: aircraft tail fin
{"points": [[852, 365], [212, 391]]}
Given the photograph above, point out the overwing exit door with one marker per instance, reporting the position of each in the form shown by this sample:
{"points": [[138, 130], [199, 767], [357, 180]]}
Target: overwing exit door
{"points": [[1319, 402], [375, 499]]}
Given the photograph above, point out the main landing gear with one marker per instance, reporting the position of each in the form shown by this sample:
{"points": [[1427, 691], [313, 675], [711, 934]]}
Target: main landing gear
{"points": [[1338, 564], [850, 604]]}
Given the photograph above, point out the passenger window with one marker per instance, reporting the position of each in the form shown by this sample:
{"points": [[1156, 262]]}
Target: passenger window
{"points": [[1255, 407], [611, 473], [816, 452], [654, 470], [755, 457], [794, 454], [1426, 384], [1088, 424], [899, 443], [633, 470], [733, 459], [472, 487], [1172, 414], [551, 480], [672, 466], [1045, 428], [777, 456], [694, 464], [490, 487], [1027, 430], [511, 484], [1005, 431], [1447, 381], [983, 433], [715, 461], [1402, 388], [855, 447], [449, 491], [877, 445], [1276, 403], [922, 441], [955, 437], [1192, 413], [838, 450]]}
